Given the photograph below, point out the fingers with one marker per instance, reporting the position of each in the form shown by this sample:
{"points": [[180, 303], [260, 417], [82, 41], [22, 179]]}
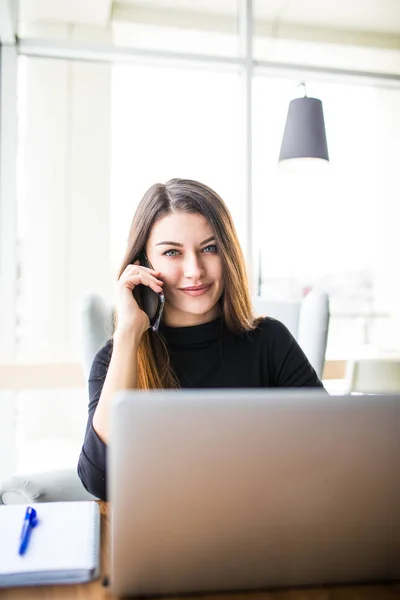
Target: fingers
{"points": [[137, 264], [135, 275], [147, 279]]}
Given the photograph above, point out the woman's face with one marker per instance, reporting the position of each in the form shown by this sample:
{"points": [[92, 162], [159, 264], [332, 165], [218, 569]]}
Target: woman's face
{"points": [[183, 248]]}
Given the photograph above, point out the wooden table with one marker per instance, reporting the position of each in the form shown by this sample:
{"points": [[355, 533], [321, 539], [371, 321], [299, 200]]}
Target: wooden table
{"points": [[95, 590]]}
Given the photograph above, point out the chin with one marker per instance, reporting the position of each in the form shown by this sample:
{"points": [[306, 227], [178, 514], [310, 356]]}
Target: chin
{"points": [[195, 305], [195, 308], [201, 310]]}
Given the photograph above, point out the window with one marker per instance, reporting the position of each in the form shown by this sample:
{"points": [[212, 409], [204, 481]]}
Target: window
{"points": [[330, 226], [94, 136], [174, 123]]}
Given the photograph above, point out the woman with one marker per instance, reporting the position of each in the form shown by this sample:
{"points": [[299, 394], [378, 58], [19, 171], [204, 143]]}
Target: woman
{"points": [[208, 336]]}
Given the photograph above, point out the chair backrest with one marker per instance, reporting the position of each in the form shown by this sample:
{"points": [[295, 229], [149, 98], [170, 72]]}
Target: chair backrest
{"points": [[306, 319], [373, 375], [97, 328], [286, 311], [314, 328]]}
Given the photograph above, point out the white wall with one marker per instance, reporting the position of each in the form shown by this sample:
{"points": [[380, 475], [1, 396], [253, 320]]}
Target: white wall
{"points": [[8, 213], [8, 144], [386, 269], [64, 203], [63, 251]]}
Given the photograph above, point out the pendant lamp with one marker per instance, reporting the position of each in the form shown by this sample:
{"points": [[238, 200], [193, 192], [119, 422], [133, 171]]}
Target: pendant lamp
{"points": [[304, 135]]}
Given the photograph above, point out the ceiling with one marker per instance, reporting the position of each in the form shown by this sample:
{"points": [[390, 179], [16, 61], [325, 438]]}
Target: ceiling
{"points": [[79, 12], [369, 16]]}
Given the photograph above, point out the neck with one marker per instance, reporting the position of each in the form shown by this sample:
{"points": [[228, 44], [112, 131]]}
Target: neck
{"points": [[172, 318]]}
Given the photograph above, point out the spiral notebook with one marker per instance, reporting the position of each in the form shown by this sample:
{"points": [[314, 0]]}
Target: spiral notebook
{"points": [[63, 548]]}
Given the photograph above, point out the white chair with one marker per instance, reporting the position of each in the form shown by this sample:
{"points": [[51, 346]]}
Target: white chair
{"points": [[52, 486], [381, 375], [97, 328], [307, 320]]}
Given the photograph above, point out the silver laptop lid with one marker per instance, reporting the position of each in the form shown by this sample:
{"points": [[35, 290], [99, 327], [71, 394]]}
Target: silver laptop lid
{"points": [[244, 489]]}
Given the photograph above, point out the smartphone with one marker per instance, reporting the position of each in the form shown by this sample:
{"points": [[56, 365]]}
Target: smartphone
{"points": [[150, 301]]}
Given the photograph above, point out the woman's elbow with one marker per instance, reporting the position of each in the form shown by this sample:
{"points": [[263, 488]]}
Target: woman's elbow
{"points": [[92, 480]]}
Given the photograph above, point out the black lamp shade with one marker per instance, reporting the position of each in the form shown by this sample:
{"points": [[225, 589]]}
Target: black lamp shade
{"points": [[304, 135]]}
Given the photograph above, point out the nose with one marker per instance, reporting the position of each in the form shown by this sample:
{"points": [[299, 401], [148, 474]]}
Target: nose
{"points": [[193, 268]]}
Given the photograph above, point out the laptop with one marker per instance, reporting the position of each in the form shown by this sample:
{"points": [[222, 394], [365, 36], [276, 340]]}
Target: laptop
{"points": [[246, 489]]}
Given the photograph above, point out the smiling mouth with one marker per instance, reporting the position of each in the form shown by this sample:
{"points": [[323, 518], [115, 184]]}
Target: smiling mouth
{"points": [[194, 289], [195, 292]]}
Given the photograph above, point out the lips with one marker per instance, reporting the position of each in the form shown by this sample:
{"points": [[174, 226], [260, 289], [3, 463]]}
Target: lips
{"points": [[195, 288], [197, 291]]}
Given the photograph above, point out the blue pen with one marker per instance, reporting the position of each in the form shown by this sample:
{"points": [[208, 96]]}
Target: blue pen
{"points": [[30, 521]]}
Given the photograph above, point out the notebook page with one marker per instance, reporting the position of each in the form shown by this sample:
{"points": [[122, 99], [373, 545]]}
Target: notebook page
{"points": [[64, 539]]}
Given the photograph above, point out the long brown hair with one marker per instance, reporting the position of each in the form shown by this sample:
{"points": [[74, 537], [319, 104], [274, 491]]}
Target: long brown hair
{"points": [[185, 195]]}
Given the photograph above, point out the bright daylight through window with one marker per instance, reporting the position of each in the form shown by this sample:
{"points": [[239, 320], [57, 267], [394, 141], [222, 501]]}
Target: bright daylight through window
{"points": [[107, 108]]}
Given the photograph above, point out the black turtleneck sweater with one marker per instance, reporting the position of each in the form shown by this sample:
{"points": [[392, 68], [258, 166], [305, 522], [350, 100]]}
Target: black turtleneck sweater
{"points": [[205, 356]]}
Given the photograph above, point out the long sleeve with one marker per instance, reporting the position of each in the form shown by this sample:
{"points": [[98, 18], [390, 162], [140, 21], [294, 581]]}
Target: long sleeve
{"points": [[93, 456]]}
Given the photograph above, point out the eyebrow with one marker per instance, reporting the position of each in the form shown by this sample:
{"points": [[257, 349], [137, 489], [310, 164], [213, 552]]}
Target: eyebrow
{"points": [[166, 243]]}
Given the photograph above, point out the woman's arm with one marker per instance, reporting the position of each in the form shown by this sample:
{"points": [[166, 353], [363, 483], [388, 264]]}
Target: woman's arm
{"points": [[121, 375], [132, 323], [92, 459], [114, 368]]}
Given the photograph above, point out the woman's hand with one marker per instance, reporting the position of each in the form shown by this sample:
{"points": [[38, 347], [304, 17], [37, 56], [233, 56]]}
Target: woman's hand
{"points": [[130, 316]]}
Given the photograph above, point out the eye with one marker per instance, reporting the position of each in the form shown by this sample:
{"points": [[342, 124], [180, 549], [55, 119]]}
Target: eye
{"points": [[213, 248], [167, 253]]}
